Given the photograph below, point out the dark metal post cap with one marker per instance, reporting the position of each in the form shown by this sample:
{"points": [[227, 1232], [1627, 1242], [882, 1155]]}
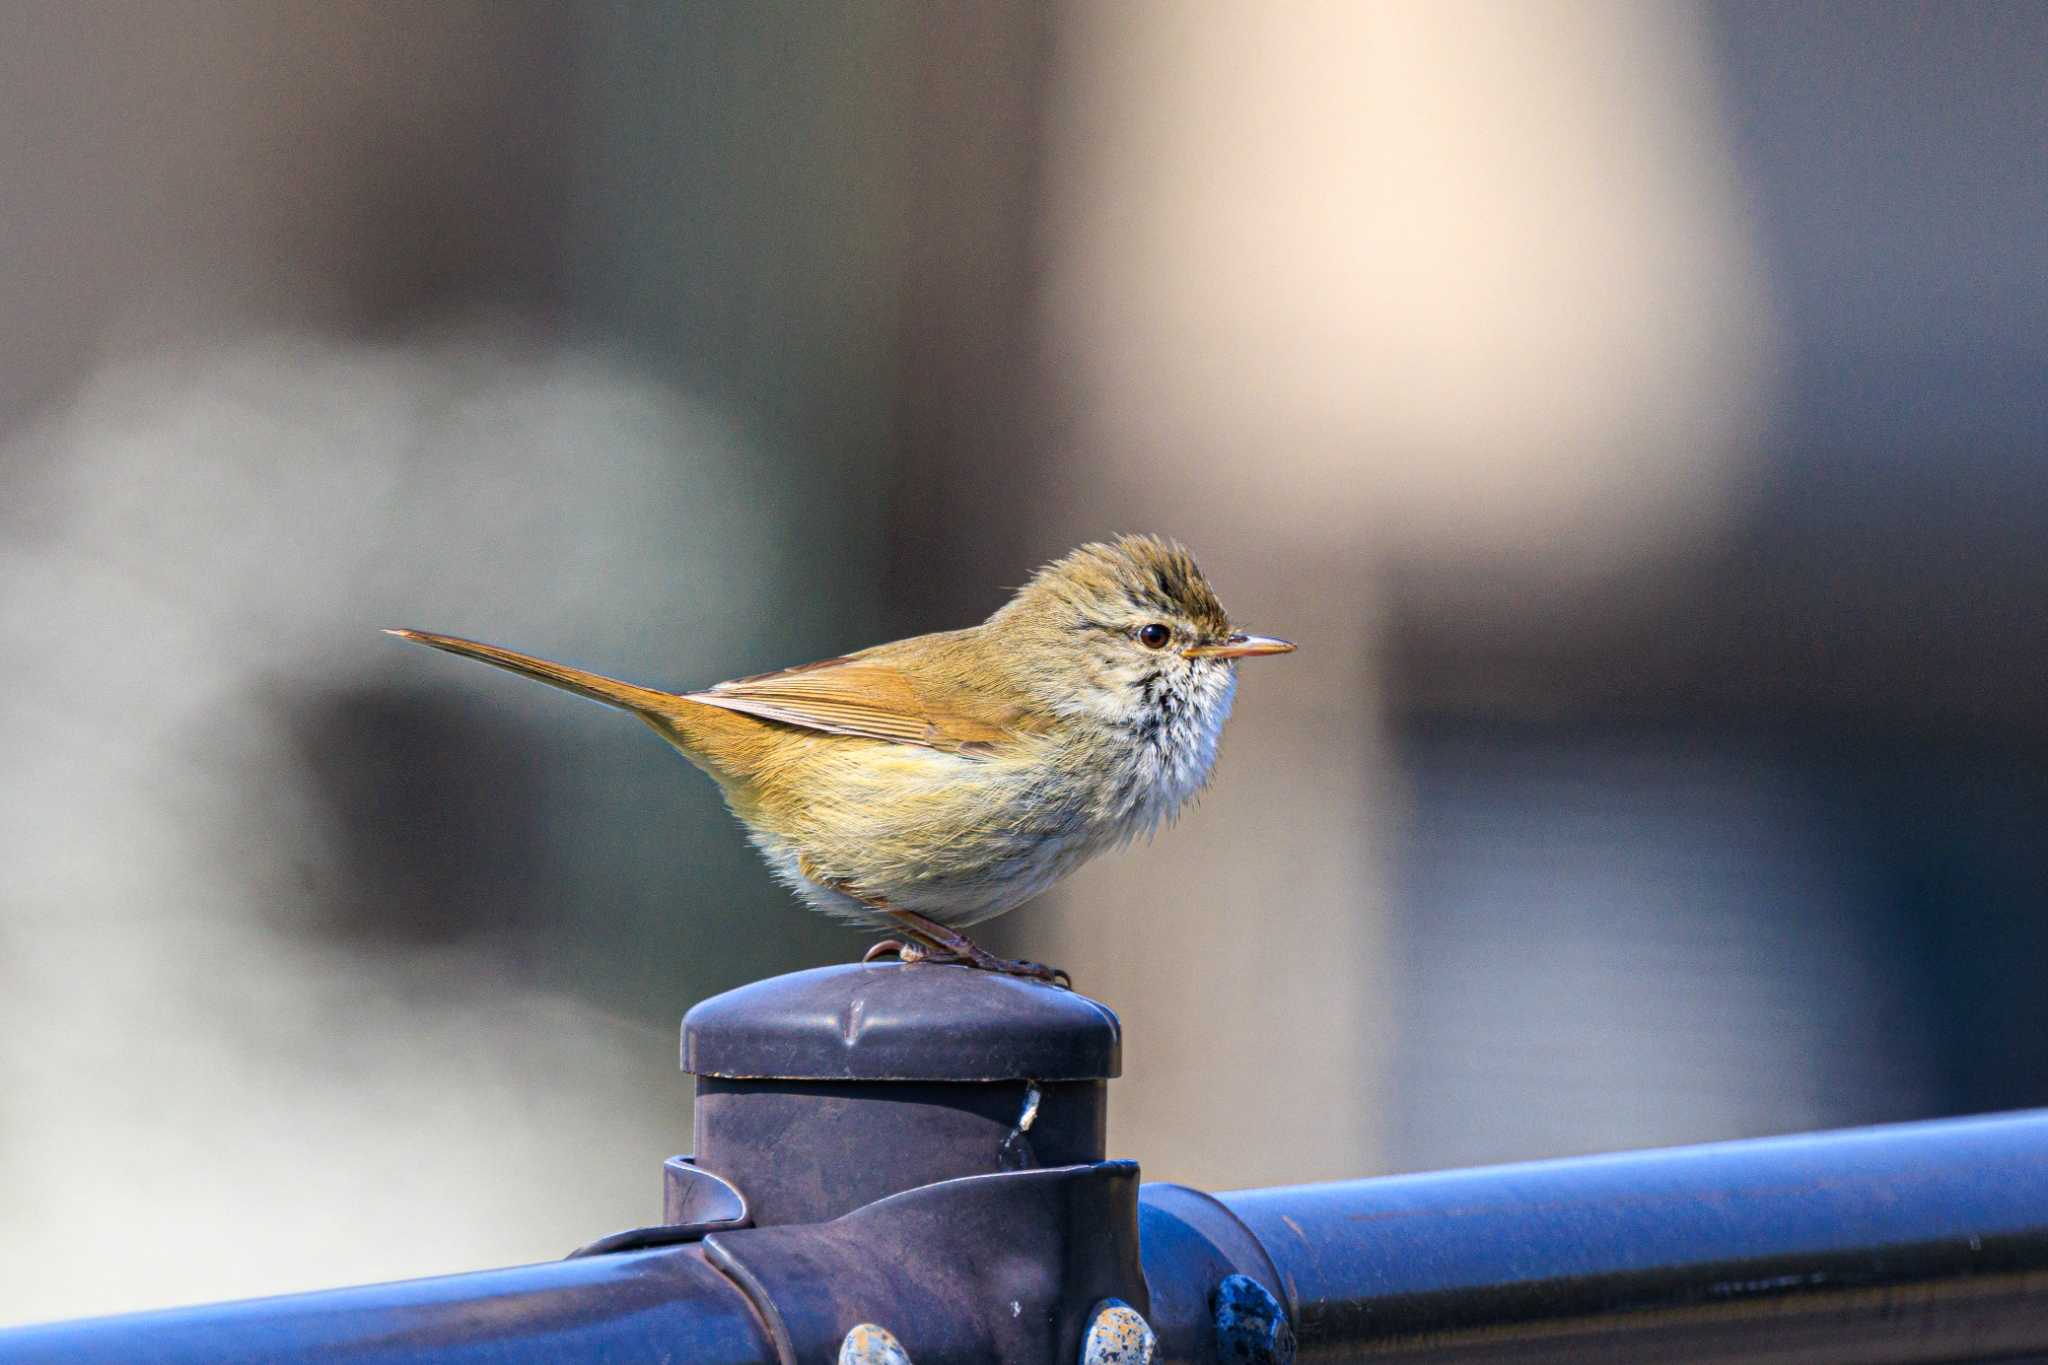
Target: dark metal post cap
{"points": [[884, 1021]]}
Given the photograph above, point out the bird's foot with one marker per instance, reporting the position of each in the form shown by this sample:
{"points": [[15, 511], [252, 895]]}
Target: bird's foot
{"points": [[914, 954]]}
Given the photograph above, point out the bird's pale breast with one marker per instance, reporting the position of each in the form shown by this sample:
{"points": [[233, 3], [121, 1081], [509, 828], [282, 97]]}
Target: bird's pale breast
{"points": [[956, 837]]}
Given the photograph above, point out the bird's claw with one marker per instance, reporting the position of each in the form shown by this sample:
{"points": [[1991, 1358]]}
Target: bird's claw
{"points": [[916, 954], [1033, 971]]}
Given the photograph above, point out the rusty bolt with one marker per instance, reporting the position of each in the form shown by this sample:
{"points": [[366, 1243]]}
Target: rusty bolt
{"points": [[1251, 1326], [1118, 1335], [868, 1344]]}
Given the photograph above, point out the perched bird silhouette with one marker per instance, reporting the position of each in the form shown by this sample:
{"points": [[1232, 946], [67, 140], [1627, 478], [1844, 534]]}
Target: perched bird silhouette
{"points": [[929, 784]]}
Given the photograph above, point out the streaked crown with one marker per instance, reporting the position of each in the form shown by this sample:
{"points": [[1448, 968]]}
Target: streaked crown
{"points": [[1104, 585]]}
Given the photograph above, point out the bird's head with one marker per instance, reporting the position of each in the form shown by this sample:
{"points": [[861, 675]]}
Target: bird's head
{"points": [[1130, 634]]}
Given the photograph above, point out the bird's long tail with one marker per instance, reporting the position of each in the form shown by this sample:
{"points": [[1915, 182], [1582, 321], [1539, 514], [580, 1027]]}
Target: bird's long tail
{"points": [[645, 700]]}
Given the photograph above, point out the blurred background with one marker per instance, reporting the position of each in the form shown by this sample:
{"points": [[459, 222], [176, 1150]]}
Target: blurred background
{"points": [[1636, 411]]}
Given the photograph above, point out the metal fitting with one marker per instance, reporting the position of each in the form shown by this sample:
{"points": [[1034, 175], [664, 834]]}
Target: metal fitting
{"points": [[1118, 1335]]}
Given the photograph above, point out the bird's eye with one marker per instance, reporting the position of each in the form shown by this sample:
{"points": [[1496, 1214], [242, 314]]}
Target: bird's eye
{"points": [[1154, 636]]}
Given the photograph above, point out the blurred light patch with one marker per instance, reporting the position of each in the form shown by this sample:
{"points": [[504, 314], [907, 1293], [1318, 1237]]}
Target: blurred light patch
{"points": [[1448, 283]]}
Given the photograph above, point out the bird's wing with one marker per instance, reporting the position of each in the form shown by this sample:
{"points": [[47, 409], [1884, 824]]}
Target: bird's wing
{"points": [[873, 698]]}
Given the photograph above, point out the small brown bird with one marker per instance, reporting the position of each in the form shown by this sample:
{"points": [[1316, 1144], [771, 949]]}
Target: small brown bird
{"points": [[936, 782]]}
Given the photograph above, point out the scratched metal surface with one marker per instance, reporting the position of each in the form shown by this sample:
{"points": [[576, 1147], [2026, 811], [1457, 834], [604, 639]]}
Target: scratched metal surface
{"points": [[885, 1021], [1916, 1242], [641, 1305]]}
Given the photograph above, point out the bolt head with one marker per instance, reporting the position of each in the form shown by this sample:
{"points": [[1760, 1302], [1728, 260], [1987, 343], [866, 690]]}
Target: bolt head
{"points": [[868, 1344], [1251, 1326], [1118, 1335]]}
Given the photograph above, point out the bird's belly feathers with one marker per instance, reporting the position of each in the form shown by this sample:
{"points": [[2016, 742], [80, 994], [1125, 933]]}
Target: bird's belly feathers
{"points": [[956, 838], [956, 901]]}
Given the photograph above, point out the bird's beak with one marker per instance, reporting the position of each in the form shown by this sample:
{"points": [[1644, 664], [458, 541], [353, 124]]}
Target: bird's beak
{"points": [[1240, 646]]}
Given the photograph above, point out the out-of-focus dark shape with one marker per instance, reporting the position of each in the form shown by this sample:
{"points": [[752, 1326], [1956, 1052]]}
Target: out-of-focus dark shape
{"points": [[441, 819]]}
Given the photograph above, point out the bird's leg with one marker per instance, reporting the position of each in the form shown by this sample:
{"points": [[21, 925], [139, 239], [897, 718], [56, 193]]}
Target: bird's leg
{"points": [[931, 941], [953, 946]]}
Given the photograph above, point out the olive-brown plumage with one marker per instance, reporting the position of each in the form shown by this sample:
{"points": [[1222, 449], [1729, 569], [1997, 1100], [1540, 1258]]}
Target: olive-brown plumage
{"points": [[934, 782]]}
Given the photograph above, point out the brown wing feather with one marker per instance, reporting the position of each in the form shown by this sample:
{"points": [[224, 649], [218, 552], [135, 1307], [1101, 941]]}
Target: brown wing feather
{"points": [[888, 693]]}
